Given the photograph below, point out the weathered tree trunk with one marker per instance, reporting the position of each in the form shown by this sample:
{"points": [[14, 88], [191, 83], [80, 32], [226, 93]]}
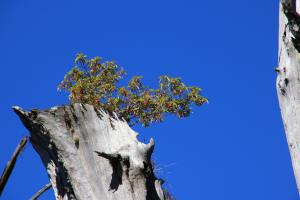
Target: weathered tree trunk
{"points": [[92, 155], [288, 80]]}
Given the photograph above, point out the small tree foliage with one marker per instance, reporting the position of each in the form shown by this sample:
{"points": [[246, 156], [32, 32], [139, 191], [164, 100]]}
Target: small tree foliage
{"points": [[96, 82]]}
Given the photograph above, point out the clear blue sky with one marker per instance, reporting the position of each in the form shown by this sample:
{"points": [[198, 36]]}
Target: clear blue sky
{"points": [[233, 148]]}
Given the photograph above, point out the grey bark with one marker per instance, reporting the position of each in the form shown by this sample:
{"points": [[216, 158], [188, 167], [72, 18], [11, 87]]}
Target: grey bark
{"points": [[90, 154], [288, 79]]}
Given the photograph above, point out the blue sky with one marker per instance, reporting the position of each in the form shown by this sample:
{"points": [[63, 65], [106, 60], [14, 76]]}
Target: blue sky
{"points": [[233, 148]]}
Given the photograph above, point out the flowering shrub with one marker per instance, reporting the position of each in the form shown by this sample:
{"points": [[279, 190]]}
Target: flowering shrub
{"points": [[96, 82]]}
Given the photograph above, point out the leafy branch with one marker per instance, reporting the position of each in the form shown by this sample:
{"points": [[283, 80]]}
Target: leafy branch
{"points": [[96, 82]]}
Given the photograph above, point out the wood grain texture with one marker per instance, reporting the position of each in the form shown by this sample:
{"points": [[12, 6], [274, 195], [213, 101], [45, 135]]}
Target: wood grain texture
{"points": [[288, 79], [91, 155]]}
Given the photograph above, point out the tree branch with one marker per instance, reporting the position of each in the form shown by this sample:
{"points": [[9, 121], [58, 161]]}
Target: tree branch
{"points": [[41, 191], [11, 163]]}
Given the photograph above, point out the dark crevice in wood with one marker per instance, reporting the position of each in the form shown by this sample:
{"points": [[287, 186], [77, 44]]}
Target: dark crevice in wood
{"points": [[67, 119], [83, 106], [41, 143], [150, 182], [111, 123], [115, 161], [98, 113], [50, 155], [286, 82], [131, 172], [293, 23], [73, 113]]}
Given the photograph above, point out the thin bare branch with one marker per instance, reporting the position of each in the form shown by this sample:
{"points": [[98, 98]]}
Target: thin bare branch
{"points": [[11, 163], [41, 191]]}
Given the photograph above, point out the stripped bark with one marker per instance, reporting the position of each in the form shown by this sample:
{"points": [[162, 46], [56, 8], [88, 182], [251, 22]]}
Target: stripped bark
{"points": [[288, 79], [11, 164], [91, 155]]}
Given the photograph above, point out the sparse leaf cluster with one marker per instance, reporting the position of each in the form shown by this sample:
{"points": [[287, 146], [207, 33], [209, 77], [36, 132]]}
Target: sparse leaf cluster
{"points": [[96, 82]]}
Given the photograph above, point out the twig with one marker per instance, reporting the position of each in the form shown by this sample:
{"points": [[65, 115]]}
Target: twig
{"points": [[11, 163], [41, 191]]}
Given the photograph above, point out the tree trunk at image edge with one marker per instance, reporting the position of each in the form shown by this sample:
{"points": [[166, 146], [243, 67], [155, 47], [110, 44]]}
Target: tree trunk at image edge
{"points": [[288, 79], [91, 155]]}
